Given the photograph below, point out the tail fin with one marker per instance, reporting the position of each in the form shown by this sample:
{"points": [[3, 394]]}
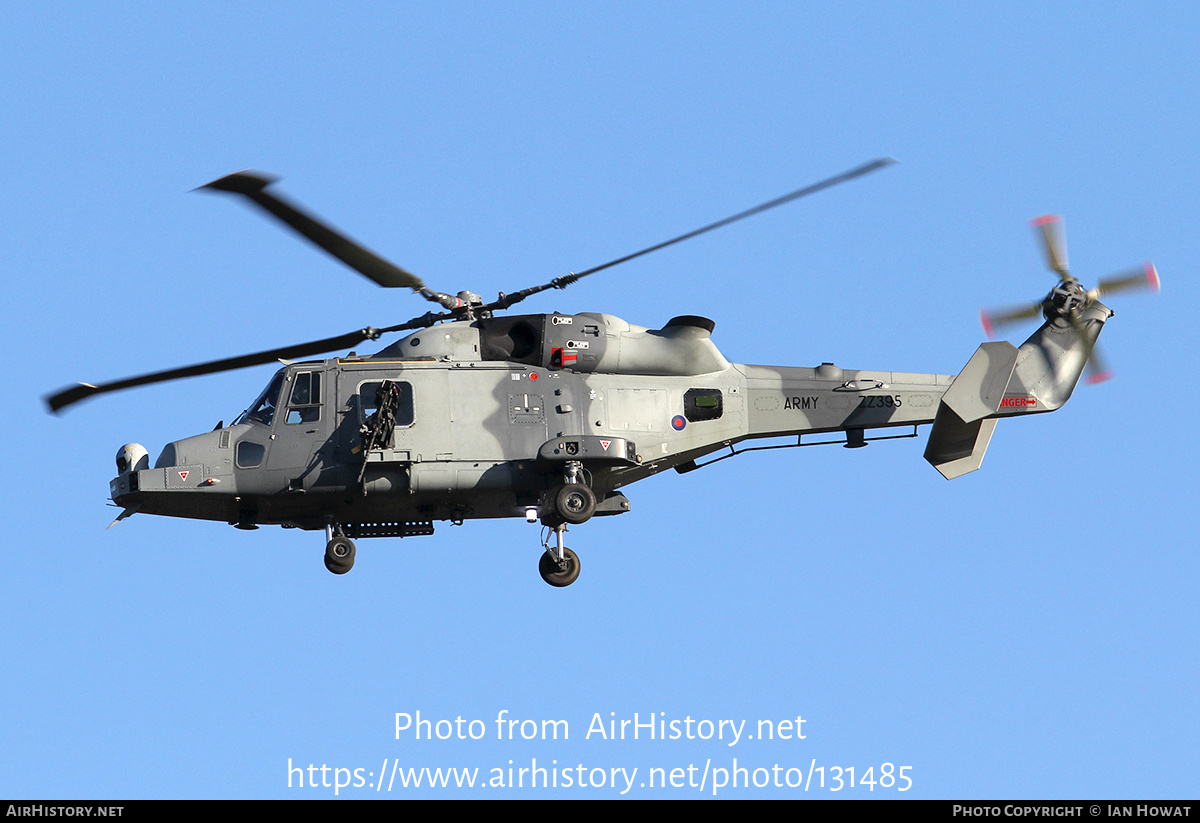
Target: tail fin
{"points": [[961, 430]]}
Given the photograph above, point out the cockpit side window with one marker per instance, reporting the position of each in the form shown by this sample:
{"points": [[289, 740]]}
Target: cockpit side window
{"points": [[305, 405]]}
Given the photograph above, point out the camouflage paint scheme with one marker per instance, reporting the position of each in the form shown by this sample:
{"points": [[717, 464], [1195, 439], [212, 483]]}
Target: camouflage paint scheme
{"points": [[499, 406]]}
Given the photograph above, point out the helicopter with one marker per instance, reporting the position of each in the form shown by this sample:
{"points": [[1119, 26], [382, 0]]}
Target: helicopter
{"points": [[548, 417]]}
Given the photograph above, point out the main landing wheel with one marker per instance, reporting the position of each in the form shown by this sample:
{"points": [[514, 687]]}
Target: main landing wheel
{"points": [[575, 502], [339, 555], [559, 573]]}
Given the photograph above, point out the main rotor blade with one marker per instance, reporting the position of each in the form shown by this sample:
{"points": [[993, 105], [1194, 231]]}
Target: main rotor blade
{"points": [[858, 171], [252, 185], [1054, 243], [562, 282], [82, 391]]}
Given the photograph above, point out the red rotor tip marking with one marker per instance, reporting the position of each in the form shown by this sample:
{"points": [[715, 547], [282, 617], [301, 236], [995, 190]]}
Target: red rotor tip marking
{"points": [[986, 322], [1044, 219], [1152, 276], [1099, 378]]}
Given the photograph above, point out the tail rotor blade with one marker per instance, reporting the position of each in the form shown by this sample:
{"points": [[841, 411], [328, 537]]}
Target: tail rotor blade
{"points": [[1143, 277], [992, 319], [1054, 243], [1097, 368]]}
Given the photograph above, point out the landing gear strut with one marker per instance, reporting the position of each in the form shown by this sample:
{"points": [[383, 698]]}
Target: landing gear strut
{"points": [[339, 551], [573, 503], [558, 565]]}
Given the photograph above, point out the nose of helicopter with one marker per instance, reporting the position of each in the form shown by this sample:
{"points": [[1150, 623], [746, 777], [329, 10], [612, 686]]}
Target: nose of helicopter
{"points": [[191, 464]]}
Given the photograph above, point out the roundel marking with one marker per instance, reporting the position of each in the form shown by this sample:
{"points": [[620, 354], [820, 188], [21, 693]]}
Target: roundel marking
{"points": [[677, 422]]}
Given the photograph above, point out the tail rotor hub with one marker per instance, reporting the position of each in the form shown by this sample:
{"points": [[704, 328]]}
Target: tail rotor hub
{"points": [[1067, 299]]}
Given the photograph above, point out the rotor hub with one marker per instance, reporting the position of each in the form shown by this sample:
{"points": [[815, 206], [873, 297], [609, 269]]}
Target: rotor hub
{"points": [[1067, 299]]}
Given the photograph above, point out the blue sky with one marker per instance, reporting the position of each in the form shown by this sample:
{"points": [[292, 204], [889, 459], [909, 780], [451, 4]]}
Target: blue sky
{"points": [[1024, 631]]}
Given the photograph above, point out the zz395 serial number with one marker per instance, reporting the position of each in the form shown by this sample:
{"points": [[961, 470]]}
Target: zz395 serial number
{"points": [[880, 401]]}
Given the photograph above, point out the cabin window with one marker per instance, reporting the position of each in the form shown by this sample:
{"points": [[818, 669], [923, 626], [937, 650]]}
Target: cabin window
{"points": [[702, 404], [305, 405], [250, 454], [367, 403]]}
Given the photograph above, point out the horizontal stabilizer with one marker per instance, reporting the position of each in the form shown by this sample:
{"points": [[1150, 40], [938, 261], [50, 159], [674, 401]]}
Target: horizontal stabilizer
{"points": [[961, 432]]}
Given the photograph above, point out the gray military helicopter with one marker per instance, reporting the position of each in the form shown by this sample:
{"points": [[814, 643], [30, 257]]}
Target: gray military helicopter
{"points": [[548, 416]]}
